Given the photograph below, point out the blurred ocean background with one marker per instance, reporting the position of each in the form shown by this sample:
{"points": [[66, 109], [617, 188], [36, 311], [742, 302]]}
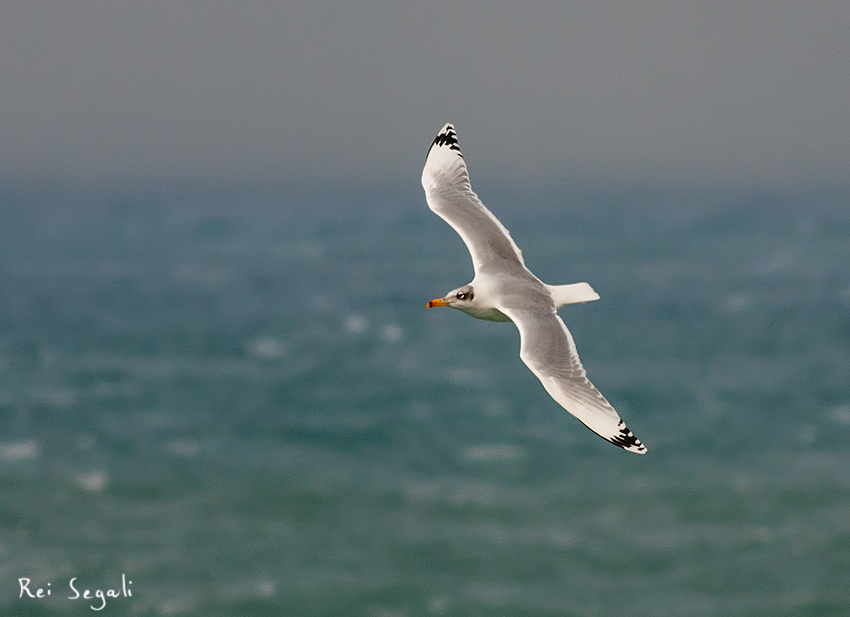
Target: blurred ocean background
{"points": [[237, 399]]}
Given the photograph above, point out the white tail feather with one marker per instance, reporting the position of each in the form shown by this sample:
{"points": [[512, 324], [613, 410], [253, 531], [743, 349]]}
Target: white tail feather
{"points": [[572, 294]]}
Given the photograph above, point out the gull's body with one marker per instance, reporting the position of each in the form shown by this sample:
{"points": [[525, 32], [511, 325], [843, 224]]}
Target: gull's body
{"points": [[504, 289]]}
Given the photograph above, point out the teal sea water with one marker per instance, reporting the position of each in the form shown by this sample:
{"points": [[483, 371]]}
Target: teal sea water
{"points": [[238, 401]]}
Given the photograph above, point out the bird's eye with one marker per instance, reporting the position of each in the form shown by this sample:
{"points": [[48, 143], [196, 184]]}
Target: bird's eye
{"points": [[461, 295]]}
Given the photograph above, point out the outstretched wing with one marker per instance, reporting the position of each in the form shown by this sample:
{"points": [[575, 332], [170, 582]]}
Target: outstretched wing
{"points": [[548, 349], [450, 195]]}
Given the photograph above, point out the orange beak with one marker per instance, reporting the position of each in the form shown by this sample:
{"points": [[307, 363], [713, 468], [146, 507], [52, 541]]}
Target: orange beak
{"points": [[437, 302]]}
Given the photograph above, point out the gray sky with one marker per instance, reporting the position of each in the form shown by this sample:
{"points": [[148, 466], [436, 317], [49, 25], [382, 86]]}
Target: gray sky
{"points": [[689, 92]]}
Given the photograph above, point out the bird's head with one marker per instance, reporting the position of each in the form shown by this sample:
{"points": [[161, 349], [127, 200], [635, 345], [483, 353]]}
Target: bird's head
{"points": [[460, 298]]}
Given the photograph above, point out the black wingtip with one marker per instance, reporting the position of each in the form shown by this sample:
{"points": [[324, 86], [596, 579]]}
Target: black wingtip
{"points": [[627, 440], [447, 137]]}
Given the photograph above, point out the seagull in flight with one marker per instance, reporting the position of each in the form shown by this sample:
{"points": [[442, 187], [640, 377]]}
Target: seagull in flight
{"points": [[504, 289]]}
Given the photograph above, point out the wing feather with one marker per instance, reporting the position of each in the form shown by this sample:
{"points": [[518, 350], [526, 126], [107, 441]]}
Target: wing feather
{"points": [[449, 194], [548, 349]]}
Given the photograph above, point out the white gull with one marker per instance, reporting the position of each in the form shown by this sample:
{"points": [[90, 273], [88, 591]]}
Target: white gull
{"points": [[504, 289]]}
